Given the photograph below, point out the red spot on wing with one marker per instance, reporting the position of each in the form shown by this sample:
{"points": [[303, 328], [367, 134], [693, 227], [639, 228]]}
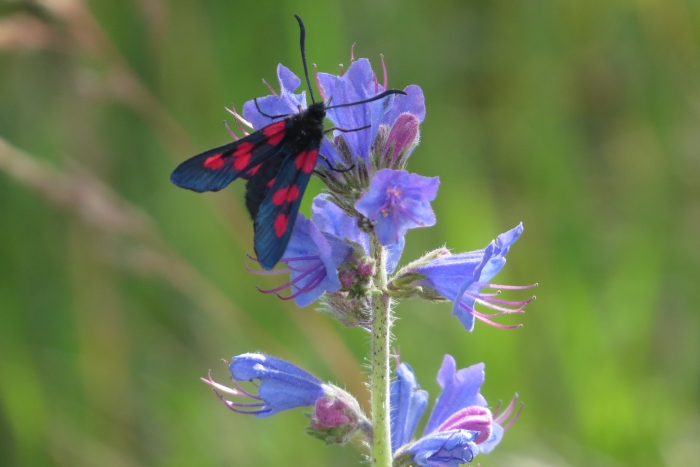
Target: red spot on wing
{"points": [[292, 193], [310, 161], [306, 161], [274, 132], [214, 162], [240, 163], [299, 161], [254, 170], [244, 148], [280, 196], [242, 155], [271, 182], [280, 224]]}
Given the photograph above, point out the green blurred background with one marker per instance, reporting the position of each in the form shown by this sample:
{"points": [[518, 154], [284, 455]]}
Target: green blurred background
{"points": [[118, 290]]}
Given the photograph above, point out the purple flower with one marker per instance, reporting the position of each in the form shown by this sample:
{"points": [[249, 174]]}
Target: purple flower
{"points": [[460, 427], [461, 277], [312, 259], [286, 103], [330, 219], [358, 83], [317, 248], [398, 201], [282, 386], [336, 415]]}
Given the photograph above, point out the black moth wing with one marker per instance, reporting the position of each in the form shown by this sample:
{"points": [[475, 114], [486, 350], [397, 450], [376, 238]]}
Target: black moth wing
{"points": [[216, 168], [277, 214]]}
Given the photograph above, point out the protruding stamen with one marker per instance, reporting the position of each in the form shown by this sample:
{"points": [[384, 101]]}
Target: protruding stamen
{"points": [[500, 308], [352, 52], [342, 70], [483, 317], [269, 87], [313, 283], [239, 119], [386, 75], [230, 132], [502, 417], [318, 84], [288, 284], [505, 287], [489, 299], [516, 417]]}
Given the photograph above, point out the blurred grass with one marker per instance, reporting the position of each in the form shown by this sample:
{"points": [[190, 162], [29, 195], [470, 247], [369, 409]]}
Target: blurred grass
{"points": [[117, 290]]}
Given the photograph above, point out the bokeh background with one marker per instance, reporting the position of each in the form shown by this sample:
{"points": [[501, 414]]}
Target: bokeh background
{"points": [[118, 290]]}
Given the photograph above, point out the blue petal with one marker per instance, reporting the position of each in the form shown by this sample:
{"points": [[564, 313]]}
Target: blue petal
{"points": [[413, 194], [460, 390], [408, 402], [495, 438], [445, 449], [329, 218], [358, 83], [286, 103], [283, 386], [303, 244], [413, 103]]}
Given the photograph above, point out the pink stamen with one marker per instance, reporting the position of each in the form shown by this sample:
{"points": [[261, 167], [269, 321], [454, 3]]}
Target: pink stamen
{"points": [[313, 283], [484, 318], [505, 287], [485, 315], [230, 132], [239, 391], [318, 84], [489, 299], [269, 87], [288, 284], [239, 119], [500, 308], [352, 52], [386, 75], [515, 418], [342, 70], [315, 265], [502, 417]]}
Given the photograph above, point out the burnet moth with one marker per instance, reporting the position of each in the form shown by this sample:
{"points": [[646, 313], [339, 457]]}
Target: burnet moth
{"points": [[277, 161]]}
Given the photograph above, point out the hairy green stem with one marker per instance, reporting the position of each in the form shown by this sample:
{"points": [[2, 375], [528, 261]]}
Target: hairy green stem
{"points": [[380, 377]]}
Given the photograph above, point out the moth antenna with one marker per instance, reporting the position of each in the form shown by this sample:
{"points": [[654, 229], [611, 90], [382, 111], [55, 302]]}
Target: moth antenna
{"points": [[371, 99], [302, 41]]}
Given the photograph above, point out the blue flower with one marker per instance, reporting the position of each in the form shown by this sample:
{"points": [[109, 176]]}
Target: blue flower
{"points": [[398, 201], [282, 386], [312, 259], [358, 83], [461, 277], [286, 103], [460, 427], [330, 219]]}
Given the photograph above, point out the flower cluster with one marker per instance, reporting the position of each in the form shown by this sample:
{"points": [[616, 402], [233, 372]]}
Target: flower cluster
{"points": [[345, 257], [461, 425]]}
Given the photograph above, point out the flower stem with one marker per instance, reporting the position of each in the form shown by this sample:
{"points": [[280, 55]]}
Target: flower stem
{"points": [[381, 327]]}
